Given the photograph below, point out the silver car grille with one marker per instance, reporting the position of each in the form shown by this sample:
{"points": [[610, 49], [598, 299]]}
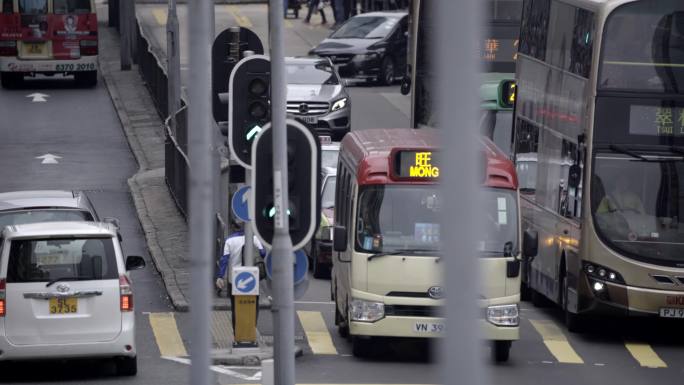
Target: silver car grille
{"points": [[307, 108]]}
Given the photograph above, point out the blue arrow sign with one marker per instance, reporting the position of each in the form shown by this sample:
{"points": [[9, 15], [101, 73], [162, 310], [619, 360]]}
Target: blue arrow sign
{"points": [[239, 204], [301, 267], [245, 282]]}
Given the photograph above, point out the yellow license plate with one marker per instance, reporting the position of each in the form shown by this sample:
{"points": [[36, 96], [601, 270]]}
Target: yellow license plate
{"points": [[33, 49], [63, 305]]}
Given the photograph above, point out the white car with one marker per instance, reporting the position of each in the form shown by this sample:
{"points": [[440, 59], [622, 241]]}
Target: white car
{"points": [[65, 292]]}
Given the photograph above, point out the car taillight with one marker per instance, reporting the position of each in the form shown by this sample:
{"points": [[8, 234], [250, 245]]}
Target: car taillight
{"points": [[3, 309], [88, 47], [126, 294], [8, 48]]}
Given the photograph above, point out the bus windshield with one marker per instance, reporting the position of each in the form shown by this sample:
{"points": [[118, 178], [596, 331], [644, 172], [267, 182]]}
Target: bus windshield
{"points": [[643, 47], [637, 205]]}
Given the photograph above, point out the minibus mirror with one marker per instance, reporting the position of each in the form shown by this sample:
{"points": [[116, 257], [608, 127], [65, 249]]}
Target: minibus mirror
{"points": [[530, 243], [340, 238], [574, 176], [134, 262]]}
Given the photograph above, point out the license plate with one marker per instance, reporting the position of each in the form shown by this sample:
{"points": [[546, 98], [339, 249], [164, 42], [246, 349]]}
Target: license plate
{"points": [[429, 327], [310, 119], [33, 49], [669, 312], [63, 305]]}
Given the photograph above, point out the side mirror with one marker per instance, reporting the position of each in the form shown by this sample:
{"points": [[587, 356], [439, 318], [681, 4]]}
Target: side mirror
{"points": [[134, 262], [574, 176], [339, 239], [530, 244], [113, 221], [406, 85]]}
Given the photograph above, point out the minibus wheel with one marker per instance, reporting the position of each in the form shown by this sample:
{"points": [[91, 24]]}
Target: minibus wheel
{"points": [[362, 347], [501, 350], [342, 326], [11, 80], [86, 79]]}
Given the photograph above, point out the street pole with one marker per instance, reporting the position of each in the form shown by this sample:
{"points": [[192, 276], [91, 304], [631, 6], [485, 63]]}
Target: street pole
{"points": [[283, 257], [248, 256], [201, 183], [173, 64], [460, 351], [125, 34]]}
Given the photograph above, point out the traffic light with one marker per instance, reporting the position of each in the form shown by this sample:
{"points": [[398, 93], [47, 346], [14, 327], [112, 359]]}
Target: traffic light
{"points": [[507, 93], [303, 184], [250, 105]]}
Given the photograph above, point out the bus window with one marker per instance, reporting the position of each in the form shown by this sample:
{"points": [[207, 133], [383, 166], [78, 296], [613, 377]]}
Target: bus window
{"points": [[33, 7], [71, 6], [8, 6]]}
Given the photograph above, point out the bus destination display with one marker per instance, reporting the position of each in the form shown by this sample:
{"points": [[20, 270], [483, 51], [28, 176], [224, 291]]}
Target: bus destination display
{"points": [[417, 164], [656, 120]]}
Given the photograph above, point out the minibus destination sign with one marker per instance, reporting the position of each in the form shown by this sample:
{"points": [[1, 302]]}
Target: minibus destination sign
{"points": [[413, 164]]}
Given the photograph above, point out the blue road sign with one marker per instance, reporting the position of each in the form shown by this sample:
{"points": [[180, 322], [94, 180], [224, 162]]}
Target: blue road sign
{"points": [[245, 282], [239, 204], [301, 267]]}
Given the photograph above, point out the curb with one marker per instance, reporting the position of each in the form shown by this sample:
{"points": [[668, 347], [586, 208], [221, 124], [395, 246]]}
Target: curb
{"points": [[229, 358]]}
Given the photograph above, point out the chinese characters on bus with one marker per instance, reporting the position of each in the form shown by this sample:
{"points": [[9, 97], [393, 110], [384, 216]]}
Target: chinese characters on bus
{"points": [[656, 121], [416, 164]]}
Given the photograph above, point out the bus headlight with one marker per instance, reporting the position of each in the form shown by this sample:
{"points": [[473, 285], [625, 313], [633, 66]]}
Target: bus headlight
{"points": [[503, 315], [367, 311]]}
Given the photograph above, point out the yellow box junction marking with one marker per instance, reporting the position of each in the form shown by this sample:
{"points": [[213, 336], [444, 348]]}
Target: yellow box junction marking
{"points": [[161, 15], [645, 355], [556, 342], [243, 21], [316, 332], [166, 333]]}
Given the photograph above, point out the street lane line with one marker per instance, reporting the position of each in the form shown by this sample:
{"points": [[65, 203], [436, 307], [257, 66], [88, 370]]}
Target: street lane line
{"points": [[316, 332], [166, 333], [160, 14], [556, 342], [645, 355], [243, 21]]}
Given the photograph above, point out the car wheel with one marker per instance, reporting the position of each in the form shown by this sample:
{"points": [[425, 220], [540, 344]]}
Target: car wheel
{"points": [[11, 80], [501, 350], [127, 366], [86, 79], [387, 72]]}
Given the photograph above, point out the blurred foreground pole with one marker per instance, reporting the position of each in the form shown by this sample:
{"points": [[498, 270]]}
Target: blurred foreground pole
{"points": [[173, 64], [201, 183], [457, 92], [283, 257]]}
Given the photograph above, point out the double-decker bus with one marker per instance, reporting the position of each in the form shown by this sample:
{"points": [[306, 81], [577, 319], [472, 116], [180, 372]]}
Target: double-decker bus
{"points": [[498, 51], [48, 37], [599, 146], [386, 276]]}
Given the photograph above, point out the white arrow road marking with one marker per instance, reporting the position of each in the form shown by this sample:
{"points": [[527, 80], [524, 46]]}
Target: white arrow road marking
{"points": [[49, 159], [243, 284], [38, 97], [219, 369]]}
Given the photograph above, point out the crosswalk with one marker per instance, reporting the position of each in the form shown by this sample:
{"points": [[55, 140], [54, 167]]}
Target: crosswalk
{"points": [[557, 345]]}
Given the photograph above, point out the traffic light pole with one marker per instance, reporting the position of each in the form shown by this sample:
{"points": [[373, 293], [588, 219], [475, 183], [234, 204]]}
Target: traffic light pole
{"points": [[201, 183], [282, 253]]}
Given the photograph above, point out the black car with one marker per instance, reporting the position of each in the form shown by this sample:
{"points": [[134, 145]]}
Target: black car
{"points": [[371, 46]]}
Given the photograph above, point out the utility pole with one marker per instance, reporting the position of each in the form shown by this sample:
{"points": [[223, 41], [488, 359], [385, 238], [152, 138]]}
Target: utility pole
{"points": [[282, 254], [173, 64], [460, 351], [125, 32], [201, 223]]}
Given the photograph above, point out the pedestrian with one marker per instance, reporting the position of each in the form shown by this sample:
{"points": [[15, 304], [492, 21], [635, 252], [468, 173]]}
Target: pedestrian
{"points": [[231, 258], [313, 5], [338, 9]]}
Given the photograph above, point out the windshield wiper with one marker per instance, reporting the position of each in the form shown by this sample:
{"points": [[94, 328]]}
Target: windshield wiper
{"points": [[401, 252], [625, 151], [69, 279]]}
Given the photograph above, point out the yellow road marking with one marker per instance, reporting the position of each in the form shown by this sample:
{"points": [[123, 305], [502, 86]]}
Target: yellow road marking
{"points": [[166, 333], [646, 356], [160, 14], [556, 342], [316, 332], [243, 21]]}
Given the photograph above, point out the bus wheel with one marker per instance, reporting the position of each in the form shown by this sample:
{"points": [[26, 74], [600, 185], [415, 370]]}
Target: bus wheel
{"points": [[573, 322], [86, 79], [342, 326], [11, 80], [538, 299], [501, 350]]}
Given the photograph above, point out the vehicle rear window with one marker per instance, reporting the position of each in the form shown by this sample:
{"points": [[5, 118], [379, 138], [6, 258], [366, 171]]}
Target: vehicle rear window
{"points": [[71, 6], [33, 7], [68, 259], [33, 216], [8, 6]]}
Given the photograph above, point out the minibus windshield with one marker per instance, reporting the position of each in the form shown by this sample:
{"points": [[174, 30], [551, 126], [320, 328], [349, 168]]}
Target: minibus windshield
{"points": [[500, 235], [396, 217]]}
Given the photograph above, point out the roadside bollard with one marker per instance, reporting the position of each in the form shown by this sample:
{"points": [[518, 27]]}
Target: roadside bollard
{"points": [[246, 292]]}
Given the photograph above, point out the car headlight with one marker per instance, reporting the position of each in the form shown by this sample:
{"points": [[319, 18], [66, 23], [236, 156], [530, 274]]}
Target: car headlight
{"points": [[503, 315], [340, 104], [367, 311]]}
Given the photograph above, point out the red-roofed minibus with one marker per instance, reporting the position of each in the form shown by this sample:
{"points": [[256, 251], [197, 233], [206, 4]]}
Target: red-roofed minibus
{"points": [[386, 279], [48, 37]]}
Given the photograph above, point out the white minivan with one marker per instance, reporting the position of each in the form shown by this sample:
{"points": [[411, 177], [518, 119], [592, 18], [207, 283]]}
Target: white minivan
{"points": [[65, 292]]}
